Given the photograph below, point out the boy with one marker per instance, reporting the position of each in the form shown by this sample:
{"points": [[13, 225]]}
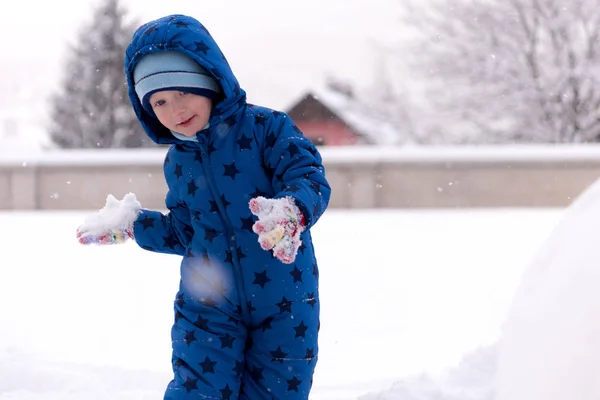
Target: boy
{"points": [[245, 186]]}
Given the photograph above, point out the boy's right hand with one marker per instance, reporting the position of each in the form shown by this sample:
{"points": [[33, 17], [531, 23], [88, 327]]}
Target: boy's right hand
{"points": [[113, 224], [107, 237]]}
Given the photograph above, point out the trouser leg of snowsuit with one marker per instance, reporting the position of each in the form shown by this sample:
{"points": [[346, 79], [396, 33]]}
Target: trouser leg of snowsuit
{"points": [[208, 352], [282, 354], [216, 356]]}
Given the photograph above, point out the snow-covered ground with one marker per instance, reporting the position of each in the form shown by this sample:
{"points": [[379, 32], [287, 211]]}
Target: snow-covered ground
{"points": [[405, 296]]}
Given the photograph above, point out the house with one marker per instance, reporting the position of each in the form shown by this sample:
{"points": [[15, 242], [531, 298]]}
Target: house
{"points": [[332, 116]]}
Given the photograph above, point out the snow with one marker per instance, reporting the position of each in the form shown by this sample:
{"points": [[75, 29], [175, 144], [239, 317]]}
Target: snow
{"points": [[404, 298], [550, 346], [472, 379], [116, 217]]}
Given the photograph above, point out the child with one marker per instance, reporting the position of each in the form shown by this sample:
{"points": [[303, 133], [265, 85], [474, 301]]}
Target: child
{"points": [[244, 188]]}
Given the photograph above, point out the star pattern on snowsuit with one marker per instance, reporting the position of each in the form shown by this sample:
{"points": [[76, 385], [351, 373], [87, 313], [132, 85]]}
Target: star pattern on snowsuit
{"points": [[180, 300], [278, 355], [284, 305], [301, 330], [271, 140], [226, 392], [296, 274], [247, 224], [202, 323], [208, 366], [310, 355], [190, 337], [227, 341], [210, 235], [147, 222], [261, 279], [311, 300], [190, 384], [230, 170], [245, 143], [257, 374], [201, 47], [294, 150], [293, 384], [169, 242], [178, 171], [266, 324], [260, 119], [192, 188]]}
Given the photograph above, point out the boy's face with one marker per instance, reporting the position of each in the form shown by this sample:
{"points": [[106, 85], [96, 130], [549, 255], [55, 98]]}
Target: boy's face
{"points": [[181, 112]]}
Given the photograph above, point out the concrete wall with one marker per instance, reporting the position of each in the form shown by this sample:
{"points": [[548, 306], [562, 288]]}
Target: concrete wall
{"points": [[540, 176]]}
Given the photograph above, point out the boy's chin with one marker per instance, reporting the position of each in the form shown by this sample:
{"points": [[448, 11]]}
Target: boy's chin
{"points": [[189, 131]]}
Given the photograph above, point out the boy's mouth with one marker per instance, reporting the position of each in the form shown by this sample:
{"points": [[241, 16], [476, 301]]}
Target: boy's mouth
{"points": [[187, 122]]}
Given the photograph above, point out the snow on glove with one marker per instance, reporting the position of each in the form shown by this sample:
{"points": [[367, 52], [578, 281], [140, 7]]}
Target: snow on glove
{"points": [[113, 224], [279, 226]]}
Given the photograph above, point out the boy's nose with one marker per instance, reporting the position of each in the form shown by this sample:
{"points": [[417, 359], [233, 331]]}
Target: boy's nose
{"points": [[178, 108]]}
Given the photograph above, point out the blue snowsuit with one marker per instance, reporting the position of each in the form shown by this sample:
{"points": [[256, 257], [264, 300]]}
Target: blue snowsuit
{"points": [[245, 324]]}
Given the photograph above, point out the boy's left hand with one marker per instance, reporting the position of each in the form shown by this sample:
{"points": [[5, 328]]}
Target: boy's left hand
{"points": [[279, 226], [113, 224]]}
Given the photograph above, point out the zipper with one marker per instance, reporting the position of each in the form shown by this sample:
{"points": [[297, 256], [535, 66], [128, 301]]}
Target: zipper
{"points": [[231, 240]]}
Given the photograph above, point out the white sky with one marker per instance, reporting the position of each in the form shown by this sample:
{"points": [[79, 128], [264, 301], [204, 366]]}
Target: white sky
{"points": [[276, 48]]}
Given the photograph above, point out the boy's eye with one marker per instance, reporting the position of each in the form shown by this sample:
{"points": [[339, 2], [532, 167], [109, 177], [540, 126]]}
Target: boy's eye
{"points": [[159, 103]]}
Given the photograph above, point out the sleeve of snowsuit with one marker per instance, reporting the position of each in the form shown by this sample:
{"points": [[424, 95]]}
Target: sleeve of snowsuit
{"points": [[164, 233], [297, 170]]}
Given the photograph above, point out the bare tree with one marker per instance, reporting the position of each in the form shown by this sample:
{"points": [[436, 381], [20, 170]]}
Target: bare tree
{"points": [[509, 70], [389, 95], [92, 109]]}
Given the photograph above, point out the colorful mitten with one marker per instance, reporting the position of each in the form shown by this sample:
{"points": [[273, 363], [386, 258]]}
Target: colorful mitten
{"points": [[113, 224], [279, 226]]}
